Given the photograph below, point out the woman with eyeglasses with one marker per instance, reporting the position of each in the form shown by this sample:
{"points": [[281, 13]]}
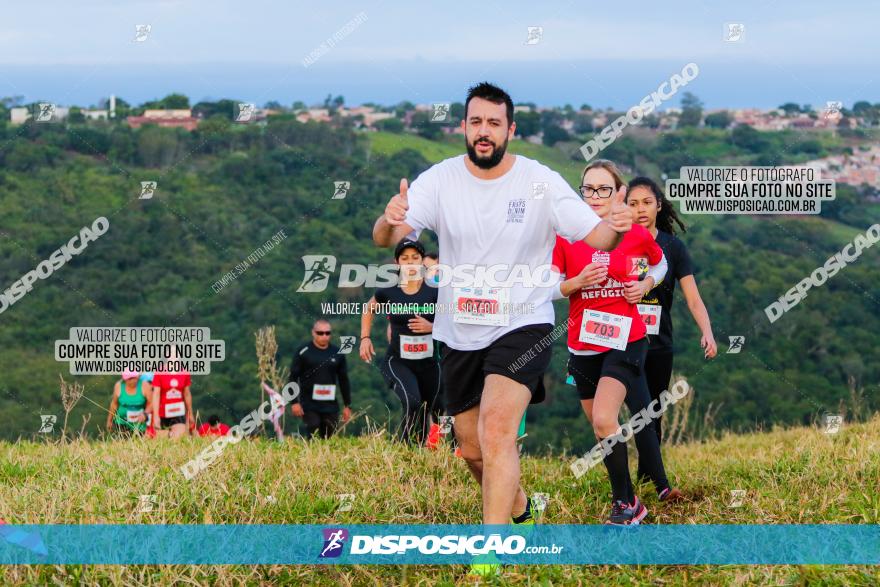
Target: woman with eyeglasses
{"points": [[606, 338], [410, 365], [652, 210]]}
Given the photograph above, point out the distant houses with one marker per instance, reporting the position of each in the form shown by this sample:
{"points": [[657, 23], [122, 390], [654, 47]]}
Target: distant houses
{"points": [[776, 119], [19, 115], [369, 115], [368, 118], [861, 167], [178, 118], [96, 114]]}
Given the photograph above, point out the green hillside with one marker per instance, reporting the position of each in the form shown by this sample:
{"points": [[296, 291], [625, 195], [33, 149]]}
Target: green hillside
{"points": [[224, 190]]}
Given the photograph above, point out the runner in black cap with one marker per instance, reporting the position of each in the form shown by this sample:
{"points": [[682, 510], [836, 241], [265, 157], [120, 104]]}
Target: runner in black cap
{"points": [[409, 365]]}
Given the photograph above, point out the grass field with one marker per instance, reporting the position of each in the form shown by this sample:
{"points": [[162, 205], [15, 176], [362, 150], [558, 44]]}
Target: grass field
{"points": [[796, 476]]}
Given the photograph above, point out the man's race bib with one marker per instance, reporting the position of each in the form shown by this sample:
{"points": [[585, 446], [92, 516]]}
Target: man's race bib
{"points": [[133, 415], [174, 410], [650, 314], [481, 305], [416, 347], [323, 392], [604, 329]]}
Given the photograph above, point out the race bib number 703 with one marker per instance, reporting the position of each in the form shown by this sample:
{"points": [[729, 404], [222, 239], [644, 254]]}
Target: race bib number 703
{"points": [[604, 329]]}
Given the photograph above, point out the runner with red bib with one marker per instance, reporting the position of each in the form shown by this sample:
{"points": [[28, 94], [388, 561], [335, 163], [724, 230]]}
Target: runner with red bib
{"points": [[607, 340], [172, 404]]}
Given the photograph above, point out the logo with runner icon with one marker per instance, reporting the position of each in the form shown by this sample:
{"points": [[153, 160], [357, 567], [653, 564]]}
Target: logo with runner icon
{"points": [[334, 540], [146, 503], [736, 344], [346, 501], [833, 423], [340, 189], [346, 344], [318, 271], [440, 112], [246, 112], [637, 266], [737, 496], [47, 423], [446, 423], [148, 189], [45, 112], [539, 189]]}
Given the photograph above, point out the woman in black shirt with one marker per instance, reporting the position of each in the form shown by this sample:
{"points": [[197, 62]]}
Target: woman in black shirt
{"points": [[652, 210], [409, 365]]}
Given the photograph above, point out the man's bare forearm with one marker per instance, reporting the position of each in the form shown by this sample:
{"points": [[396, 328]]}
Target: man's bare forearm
{"points": [[382, 232], [386, 234], [603, 237]]}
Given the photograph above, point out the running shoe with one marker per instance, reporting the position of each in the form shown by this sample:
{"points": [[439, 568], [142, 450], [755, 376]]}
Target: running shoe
{"points": [[486, 565], [525, 522], [671, 495], [624, 514], [525, 518]]}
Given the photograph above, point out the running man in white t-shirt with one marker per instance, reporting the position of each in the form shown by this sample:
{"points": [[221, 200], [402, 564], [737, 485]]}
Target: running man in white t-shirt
{"points": [[486, 210]]}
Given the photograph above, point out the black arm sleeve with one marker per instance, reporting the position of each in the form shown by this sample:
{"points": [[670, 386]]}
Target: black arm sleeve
{"points": [[296, 370], [344, 383]]}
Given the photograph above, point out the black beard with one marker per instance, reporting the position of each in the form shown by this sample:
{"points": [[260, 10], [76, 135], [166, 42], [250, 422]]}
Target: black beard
{"points": [[486, 162]]}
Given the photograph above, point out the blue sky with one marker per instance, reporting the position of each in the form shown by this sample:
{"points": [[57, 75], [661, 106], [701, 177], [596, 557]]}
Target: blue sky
{"points": [[600, 53]]}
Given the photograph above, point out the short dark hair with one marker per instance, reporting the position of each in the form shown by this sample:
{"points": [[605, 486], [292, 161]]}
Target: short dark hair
{"points": [[321, 321], [492, 93], [432, 255], [214, 420]]}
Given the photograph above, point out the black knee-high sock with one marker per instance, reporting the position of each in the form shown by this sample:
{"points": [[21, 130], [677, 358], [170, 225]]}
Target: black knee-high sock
{"points": [[618, 472], [650, 459], [647, 442]]}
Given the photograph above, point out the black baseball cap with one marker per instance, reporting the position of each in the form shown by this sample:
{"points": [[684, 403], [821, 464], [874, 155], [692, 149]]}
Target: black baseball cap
{"points": [[408, 244]]}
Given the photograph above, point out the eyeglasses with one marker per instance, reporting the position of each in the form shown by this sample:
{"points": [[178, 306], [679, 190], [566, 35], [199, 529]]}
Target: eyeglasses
{"points": [[323, 332], [603, 191]]}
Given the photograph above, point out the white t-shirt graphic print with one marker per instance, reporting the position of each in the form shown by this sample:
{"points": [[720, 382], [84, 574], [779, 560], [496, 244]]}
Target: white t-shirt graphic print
{"points": [[484, 222]]}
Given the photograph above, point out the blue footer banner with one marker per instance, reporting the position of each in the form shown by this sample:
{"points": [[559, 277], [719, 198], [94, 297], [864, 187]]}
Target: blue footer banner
{"points": [[440, 544]]}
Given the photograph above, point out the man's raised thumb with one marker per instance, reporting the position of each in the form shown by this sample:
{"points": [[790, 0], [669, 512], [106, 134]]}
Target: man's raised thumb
{"points": [[403, 188]]}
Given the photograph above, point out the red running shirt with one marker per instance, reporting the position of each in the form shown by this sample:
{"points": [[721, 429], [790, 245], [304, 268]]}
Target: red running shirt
{"points": [[636, 251], [171, 386], [206, 430]]}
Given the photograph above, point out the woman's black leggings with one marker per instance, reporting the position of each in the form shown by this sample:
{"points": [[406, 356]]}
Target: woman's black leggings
{"points": [[627, 367], [417, 385], [658, 372]]}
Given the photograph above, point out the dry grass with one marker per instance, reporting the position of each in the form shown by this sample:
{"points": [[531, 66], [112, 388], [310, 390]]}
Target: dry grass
{"points": [[794, 476]]}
